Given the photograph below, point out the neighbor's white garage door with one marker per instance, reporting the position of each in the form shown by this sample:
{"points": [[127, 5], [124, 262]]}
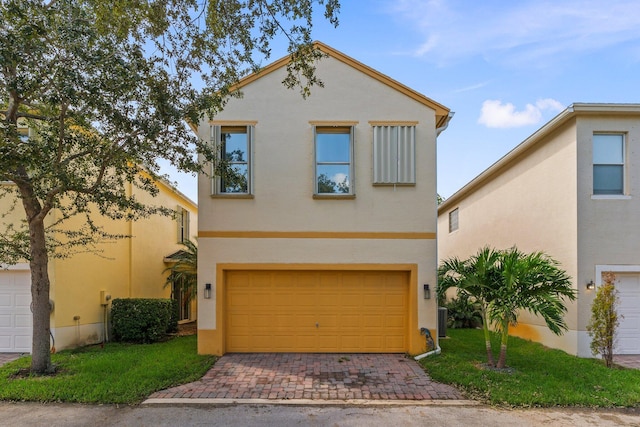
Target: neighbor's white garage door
{"points": [[628, 337], [15, 313]]}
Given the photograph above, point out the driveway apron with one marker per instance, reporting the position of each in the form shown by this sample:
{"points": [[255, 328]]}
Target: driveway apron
{"points": [[314, 376], [8, 357]]}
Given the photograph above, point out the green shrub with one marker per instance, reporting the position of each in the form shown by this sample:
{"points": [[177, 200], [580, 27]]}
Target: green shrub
{"points": [[602, 327], [143, 320], [463, 312]]}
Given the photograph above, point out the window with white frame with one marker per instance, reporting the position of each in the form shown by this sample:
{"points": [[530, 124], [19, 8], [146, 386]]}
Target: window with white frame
{"points": [[394, 150], [232, 173], [608, 164], [334, 160], [453, 220], [182, 220]]}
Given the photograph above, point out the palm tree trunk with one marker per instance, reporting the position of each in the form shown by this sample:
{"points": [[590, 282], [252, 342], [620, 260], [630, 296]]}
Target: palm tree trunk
{"points": [[487, 339], [502, 359]]}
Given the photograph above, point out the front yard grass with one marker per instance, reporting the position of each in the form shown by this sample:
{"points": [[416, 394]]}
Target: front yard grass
{"points": [[538, 376], [115, 373]]}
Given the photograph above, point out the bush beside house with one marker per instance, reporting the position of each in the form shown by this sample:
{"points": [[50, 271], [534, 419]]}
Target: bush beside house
{"points": [[143, 320]]}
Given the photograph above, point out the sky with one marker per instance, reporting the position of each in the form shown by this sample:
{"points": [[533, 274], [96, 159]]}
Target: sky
{"points": [[504, 67]]}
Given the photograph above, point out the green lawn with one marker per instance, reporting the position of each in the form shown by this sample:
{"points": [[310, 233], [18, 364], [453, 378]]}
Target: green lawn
{"points": [[117, 373], [539, 376]]}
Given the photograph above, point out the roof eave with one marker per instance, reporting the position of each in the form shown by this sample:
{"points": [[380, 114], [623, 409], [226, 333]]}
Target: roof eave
{"points": [[571, 111]]}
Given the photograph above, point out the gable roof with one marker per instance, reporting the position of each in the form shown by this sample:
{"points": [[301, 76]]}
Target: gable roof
{"points": [[442, 112], [572, 111]]}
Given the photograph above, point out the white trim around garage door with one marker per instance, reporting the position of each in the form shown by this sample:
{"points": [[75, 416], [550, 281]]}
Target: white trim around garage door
{"points": [[18, 266], [614, 268]]}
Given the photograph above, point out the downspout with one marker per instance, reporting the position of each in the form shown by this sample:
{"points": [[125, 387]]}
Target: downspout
{"points": [[439, 130], [429, 353]]}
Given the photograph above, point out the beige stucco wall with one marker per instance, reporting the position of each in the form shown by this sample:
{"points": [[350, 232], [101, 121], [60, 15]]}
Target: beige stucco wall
{"points": [[608, 227], [543, 201], [284, 177], [530, 203]]}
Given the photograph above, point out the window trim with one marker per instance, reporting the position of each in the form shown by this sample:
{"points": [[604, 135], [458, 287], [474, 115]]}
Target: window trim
{"points": [[623, 194], [454, 212], [336, 126], [216, 130], [183, 220]]}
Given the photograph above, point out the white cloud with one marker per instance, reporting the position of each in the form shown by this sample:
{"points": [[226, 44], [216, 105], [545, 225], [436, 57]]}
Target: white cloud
{"points": [[523, 33], [339, 178], [495, 114]]}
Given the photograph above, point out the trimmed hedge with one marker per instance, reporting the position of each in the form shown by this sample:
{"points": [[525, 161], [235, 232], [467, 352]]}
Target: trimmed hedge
{"points": [[143, 320]]}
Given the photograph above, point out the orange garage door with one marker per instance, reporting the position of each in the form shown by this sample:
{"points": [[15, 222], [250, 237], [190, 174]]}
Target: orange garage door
{"points": [[316, 311]]}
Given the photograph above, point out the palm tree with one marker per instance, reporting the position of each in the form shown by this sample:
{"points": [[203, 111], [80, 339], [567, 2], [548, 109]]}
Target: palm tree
{"points": [[532, 282], [184, 269], [475, 277]]}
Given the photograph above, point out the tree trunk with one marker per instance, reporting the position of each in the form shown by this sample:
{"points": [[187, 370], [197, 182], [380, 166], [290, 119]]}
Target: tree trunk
{"points": [[502, 359], [40, 286], [487, 340]]}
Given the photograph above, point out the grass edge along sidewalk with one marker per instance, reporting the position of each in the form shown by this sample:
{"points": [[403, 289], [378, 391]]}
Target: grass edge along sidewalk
{"points": [[535, 375], [113, 373]]}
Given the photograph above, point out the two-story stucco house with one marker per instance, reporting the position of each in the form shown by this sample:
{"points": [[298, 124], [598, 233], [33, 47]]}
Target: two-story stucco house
{"points": [[82, 283], [572, 189], [325, 239]]}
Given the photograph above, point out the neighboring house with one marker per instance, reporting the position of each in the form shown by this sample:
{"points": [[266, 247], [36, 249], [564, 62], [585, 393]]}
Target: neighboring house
{"points": [[572, 189], [80, 284], [324, 238]]}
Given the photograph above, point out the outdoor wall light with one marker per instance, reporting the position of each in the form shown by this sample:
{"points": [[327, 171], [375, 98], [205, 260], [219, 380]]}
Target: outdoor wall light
{"points": [[427, 292], [207, 290], [591, 286]]}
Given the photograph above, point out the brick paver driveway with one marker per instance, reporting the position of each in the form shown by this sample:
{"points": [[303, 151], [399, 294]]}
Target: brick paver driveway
{"points": [[314, 376]]}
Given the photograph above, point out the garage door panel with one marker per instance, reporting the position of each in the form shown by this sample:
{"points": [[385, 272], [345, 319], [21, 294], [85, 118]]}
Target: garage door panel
{"points": [[354, 311], [628, 335], [15, 313], [23, 321]]}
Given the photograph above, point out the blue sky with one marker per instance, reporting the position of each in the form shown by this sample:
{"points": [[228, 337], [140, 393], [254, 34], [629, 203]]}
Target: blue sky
{"points": [[504, 67]]}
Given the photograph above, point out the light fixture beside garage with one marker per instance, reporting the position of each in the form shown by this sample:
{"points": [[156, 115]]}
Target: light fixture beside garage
{"points": [[590, 285], [427, 292], [207, 290]]}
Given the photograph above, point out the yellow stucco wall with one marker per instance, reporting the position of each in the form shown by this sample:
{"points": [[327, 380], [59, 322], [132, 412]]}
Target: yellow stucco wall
{"points": [[123, 268]]}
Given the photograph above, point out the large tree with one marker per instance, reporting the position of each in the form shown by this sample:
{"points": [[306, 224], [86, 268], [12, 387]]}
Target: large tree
{"points": [[105, 87]]}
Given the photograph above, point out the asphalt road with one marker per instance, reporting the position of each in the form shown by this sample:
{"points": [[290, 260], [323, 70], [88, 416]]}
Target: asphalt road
{"points": [[68, 415]]}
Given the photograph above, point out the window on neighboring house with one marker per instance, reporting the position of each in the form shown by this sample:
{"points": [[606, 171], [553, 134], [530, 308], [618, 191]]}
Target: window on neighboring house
{"points": [[182, 219], [334, 160], [394, 150], [608, 164], [453, 220], [23, 132], [232, 174]]}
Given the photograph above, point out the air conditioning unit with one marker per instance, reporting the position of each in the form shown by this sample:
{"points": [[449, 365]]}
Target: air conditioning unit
{"points": [[442, 322]]}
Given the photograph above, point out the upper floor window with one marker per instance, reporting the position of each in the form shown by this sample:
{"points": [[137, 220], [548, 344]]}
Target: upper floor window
{"points": [[232, 174], [394, 150], [334, 160], [608, 164], [453, 220], [182, 219]]}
